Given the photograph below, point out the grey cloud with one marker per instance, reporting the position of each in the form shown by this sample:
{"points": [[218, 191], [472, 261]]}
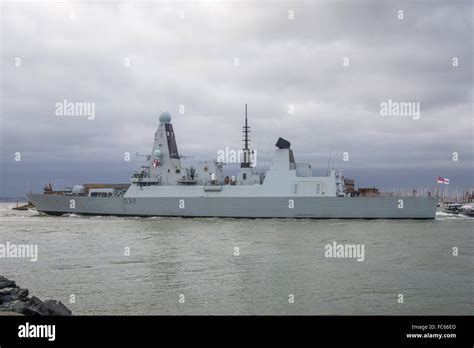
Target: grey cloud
{"points": [[282, 62]]}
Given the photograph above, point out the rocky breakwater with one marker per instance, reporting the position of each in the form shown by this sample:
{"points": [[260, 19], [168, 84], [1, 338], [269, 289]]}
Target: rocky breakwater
{"points": [[16, 301]]}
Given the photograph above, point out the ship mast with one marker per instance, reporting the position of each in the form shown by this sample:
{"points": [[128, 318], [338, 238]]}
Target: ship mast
{"points": [[246, 130]]}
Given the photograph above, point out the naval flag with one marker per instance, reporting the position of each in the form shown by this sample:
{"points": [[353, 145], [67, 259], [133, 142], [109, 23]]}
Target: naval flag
{"points": [[443, 180]]}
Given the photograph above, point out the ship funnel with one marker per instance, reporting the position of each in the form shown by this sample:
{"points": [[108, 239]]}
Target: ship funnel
{"points": [[283, 144]]}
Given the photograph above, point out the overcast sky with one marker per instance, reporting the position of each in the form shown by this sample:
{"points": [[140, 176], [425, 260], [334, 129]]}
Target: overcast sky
{"points": [[290, 56]]}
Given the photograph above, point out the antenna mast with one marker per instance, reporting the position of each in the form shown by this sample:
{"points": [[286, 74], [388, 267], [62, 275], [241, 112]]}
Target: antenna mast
{"points": [[246, 131]]}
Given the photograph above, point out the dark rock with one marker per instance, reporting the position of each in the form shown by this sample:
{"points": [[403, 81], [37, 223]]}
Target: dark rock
{"points": [[6, 291], [6, 298], [48, 307], [6, 295], [20, 293], [56, 308], [6, 283], [35, 307], [14, 306], [16, 299], [31, 312]]}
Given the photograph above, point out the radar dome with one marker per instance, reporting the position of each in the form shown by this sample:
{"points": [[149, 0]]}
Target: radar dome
{"points": [[165, 117], [157, 153]]}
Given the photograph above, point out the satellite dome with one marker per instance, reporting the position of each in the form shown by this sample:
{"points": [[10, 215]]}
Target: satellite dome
{"points": [[157, 153], [165, 117]]}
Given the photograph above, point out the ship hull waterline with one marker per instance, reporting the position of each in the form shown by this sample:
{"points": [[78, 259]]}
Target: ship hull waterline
{"points": [[241, 207]]}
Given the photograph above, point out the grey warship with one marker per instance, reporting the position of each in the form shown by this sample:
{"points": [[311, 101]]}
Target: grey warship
{"points": [[288, 189]]}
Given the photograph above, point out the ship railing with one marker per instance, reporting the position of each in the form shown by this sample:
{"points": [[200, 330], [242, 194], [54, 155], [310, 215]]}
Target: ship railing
{"points": [[405, 194], [145, 180]]}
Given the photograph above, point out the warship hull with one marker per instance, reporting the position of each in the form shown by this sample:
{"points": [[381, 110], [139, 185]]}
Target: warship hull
{"points": [[287, 189], [241, 207]]}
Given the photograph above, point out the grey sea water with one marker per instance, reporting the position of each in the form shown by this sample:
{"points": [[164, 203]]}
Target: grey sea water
{"points": [[169, 257]]}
